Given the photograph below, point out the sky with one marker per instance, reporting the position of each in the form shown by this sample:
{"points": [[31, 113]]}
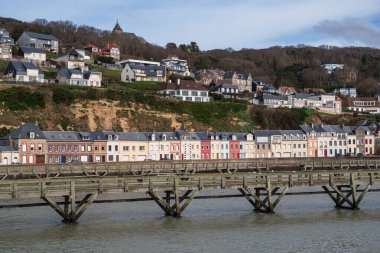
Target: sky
{"points": [[219, 24]]}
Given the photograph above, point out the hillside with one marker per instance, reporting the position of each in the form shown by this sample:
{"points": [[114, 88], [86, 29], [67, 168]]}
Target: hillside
{"points": [[292, 65], [61, 107]]}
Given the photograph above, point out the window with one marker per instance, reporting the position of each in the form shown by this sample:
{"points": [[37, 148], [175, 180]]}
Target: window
{"points": [[142, 148], [83, 148], [39, 147], [31, 135], [63, 148], [109, 148], [31, 147], [89, 148], [110, 158], [125, 148], [116, 148]]}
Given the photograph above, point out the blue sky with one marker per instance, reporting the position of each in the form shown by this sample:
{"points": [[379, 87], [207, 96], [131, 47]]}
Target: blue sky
{"points": [[219, 23]]}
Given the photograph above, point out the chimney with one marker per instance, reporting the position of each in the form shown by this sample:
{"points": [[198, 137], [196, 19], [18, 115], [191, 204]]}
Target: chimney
{"points": [[312, 125], [36, 123], [178, 81]]}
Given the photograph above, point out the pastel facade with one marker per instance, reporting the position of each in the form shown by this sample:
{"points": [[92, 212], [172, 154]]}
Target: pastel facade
{"points": [[131, 73], [185, 90]]}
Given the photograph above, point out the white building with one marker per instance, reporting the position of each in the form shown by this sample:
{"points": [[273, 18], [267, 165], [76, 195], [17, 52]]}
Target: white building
{"points": [[35, 55], [186, 90], [23, 72], [176, 66], [77, 77], [143, 73]]}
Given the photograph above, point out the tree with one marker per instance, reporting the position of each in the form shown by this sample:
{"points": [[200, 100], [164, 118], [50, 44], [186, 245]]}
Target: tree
{"points": [[194, 47], [171, 46]]}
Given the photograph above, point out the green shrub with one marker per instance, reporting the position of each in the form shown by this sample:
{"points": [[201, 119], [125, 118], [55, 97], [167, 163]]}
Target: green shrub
{"points": [[22, 98]]}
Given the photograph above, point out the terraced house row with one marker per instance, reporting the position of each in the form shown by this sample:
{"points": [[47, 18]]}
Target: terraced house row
{"points": [[29, 145]]}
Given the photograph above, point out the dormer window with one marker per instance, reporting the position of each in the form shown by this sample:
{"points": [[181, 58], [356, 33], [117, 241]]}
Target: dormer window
{"points": [[31, 135], [116, 137], [110, 137], [164, 137]]}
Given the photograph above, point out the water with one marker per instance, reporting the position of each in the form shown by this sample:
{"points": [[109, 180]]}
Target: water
{"points": [[300, 224]]}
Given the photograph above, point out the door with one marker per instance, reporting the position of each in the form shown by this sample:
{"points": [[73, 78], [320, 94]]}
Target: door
{"points": [[40, 159], [63, 159], [325, 152]]}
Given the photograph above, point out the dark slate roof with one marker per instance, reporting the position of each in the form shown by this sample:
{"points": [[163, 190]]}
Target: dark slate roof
{"points": [[274, 97], [291, 132], [61, 136], [6, 40], [68, 72], [227, 86], [23, 132], [136, 136], [302, 95], [150, 70], [41, 36], [31, 50], [86, 74], [229, 74], [117, 27], [266, 132], [98, 136], [21, 67]]}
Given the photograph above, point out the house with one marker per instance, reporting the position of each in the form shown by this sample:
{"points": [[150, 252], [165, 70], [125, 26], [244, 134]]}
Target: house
{"points": [[78, 77], [274, 101], [346, 92], [133, 146], [286, 90], [257, 86], [30, 141], [164, 146], [227, 90], [23, 72], [73, 59], [6, 43], [35, 55], [176, 66], [269, 88], [185, 90], [143, 73], [90, 49], [366, 104], [331, 67], [9, 155], [110, 50], [45, 42], [243, 81], [298, 100], [328, 103]]}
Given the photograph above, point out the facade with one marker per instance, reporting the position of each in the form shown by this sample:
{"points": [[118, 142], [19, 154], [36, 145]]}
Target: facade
{"points": [[90, 49], [6, 43], [91, 78], [110, 50], [45, 42], [176, 66], [143, 73], [123, 63], [23, 72], [29, 145], [275, 101], [243, 80], [325, 103], [366, 104], [346, 92], [73, 59], [185, 90], [35, 55], [227, 90]]}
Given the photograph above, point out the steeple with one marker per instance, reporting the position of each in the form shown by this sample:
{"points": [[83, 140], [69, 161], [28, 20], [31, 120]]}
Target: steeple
{"points": [[117, 29]]}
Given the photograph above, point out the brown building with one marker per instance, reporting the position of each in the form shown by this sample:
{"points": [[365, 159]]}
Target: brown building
{"points": [[30, 141]]}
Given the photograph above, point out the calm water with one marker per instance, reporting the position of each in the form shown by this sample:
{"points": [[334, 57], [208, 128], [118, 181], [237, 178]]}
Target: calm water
{"points": [[300, 224]]}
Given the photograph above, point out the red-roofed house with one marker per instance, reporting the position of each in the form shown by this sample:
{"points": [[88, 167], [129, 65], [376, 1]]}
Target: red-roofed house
{"points": [[185, 90], [111, 50], [371, 105], [286, 90], [91, 49]]}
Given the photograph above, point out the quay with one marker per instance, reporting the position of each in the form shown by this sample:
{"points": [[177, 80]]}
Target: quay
{"points": [[346, 181]]}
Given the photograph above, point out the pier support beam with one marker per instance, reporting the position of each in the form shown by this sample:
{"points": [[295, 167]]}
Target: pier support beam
{"points": [[346, 194], [262, 198], [180, 201], [71, 210]]}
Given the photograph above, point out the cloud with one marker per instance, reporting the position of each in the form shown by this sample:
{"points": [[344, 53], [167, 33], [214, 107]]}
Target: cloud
{"points": [[351, 31]]}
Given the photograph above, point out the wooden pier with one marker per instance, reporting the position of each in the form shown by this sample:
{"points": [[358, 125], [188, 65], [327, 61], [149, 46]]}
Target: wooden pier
{"points": [[173, 192]]}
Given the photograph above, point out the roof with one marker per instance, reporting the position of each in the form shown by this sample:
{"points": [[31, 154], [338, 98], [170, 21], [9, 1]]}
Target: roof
{"points": [[229, 74], [349, 101], [21, 67], [134, 136], [23, 132], [302, 95], [67, 73], [90, 46], [41, 36], [184, 85], [61, 136], [117, 27], [150, 70], [7, 148], [29, 50], [284, 89], [227, 86], [98, 136]]}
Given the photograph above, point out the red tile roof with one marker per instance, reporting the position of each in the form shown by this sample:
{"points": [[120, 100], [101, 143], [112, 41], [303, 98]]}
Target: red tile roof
{"points": [[350, 101], [284, 89]]}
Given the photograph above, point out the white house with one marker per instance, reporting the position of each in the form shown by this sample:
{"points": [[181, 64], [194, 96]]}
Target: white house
{"points": [[186, 90], [23, 72], [176, 66], [35, 55], [123, 63], [227, 90], [74, 59], [77, 77], [6, 43], [143, 73]]}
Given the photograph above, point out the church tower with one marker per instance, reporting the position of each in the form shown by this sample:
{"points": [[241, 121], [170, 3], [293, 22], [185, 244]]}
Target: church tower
{"points": [[117, 29]]}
